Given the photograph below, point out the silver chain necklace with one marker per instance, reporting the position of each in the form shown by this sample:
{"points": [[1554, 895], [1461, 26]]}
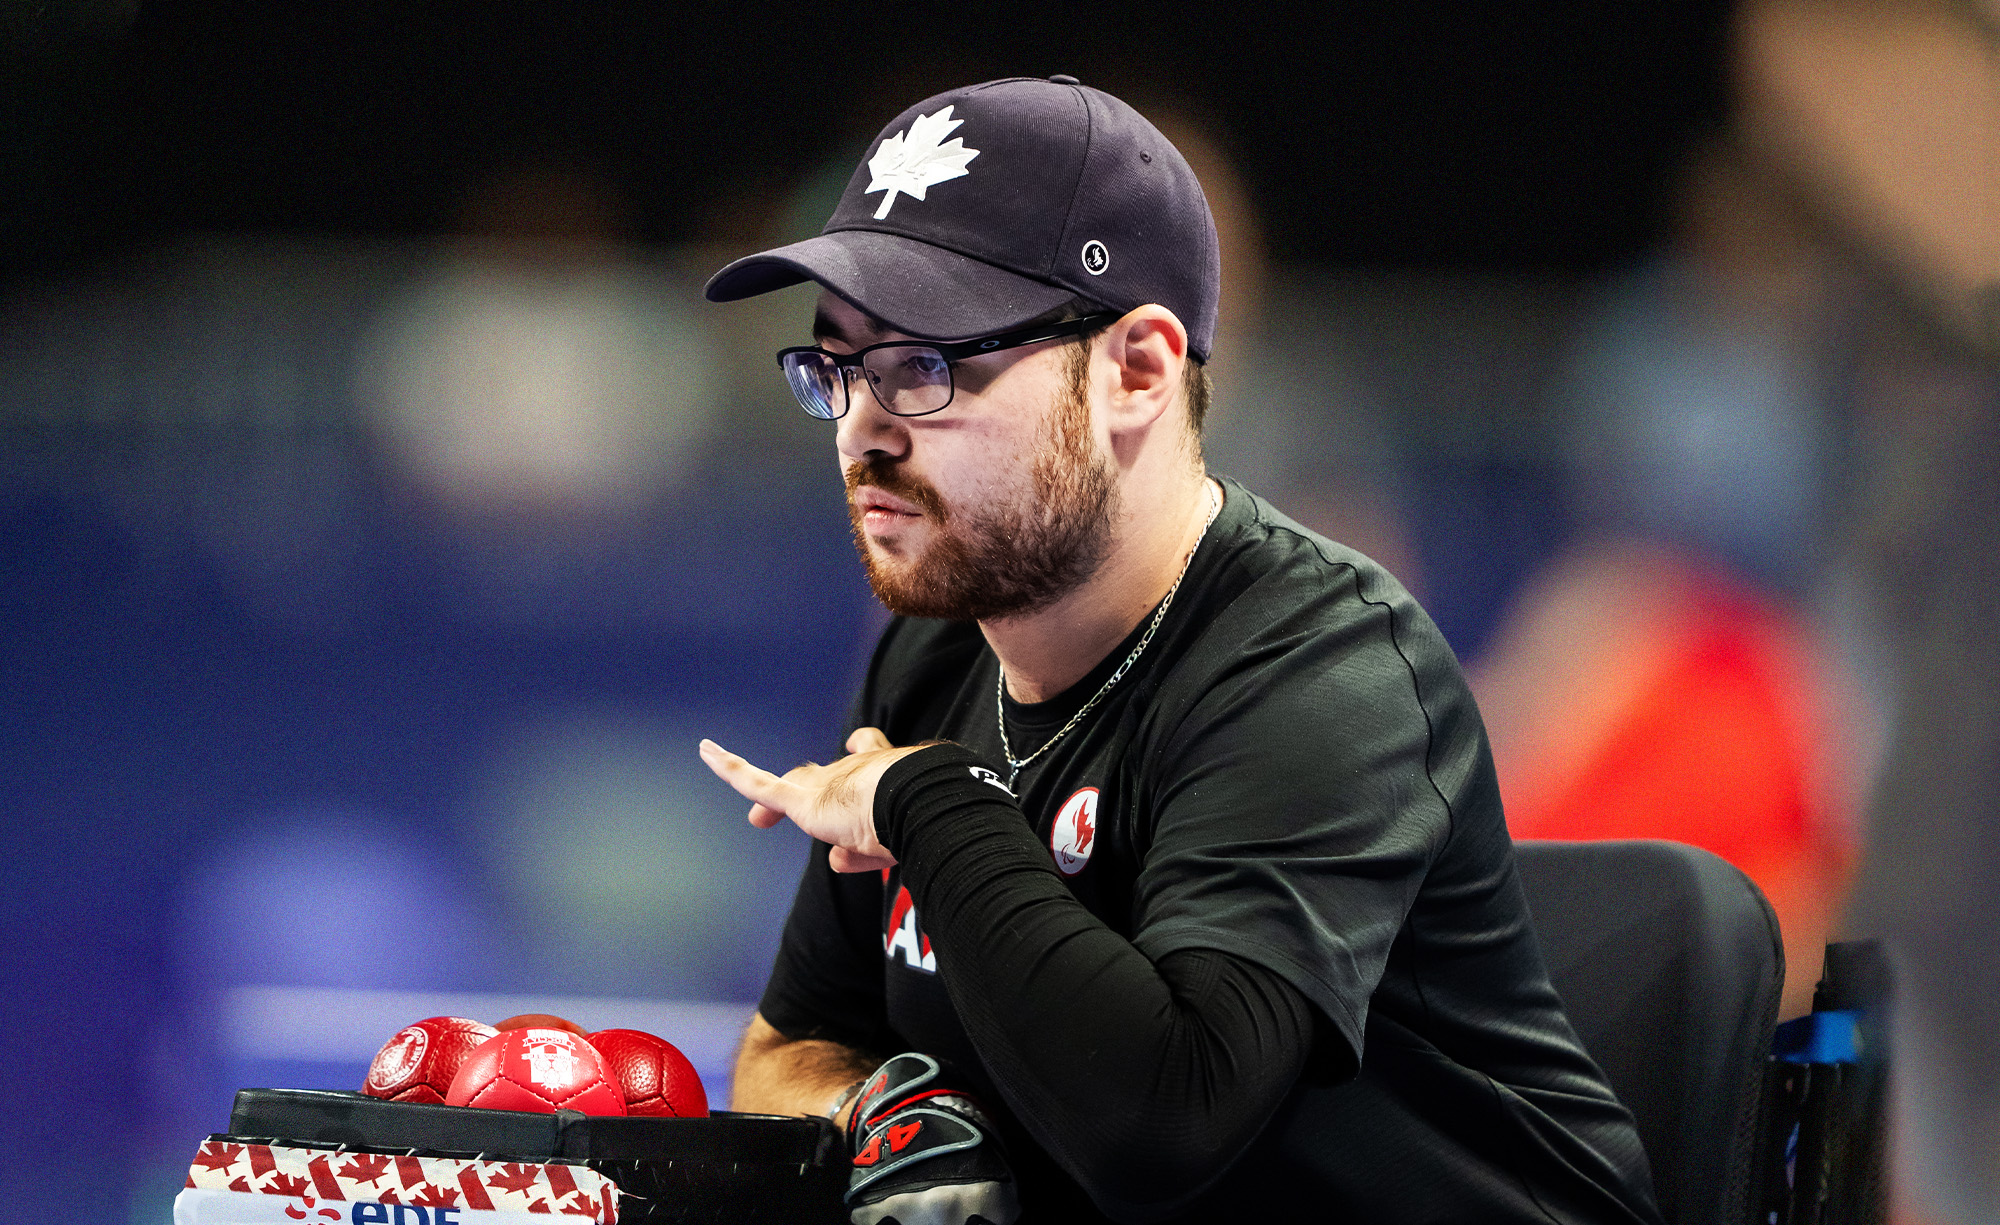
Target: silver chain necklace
{"points": [[1014, 764]]}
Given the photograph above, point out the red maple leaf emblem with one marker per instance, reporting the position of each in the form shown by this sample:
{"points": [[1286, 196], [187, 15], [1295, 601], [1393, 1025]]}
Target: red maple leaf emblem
{"points": [[514, 1178], [434, 1196], [582, 1205], [1084, 829], [218, 1157], [286, 1184], [388, 1196], [242, 1183], [366, 1167], [538, 1206]]}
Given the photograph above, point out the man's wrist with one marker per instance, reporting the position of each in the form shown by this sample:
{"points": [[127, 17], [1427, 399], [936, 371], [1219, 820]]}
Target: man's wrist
{"points": [[946, 773], [843, 1101]]}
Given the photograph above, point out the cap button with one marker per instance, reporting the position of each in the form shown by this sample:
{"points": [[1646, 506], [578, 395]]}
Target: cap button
{"points": [[1063, 78]]}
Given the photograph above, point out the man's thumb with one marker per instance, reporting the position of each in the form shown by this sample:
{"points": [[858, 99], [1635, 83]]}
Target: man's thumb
{"points": [[868, 740]]}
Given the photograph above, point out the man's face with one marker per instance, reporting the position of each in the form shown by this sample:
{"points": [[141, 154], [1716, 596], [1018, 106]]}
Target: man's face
{"points": [[996, 506]]}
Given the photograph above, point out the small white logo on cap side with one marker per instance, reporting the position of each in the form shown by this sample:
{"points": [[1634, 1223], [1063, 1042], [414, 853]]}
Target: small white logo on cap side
{"points": [[1096, 258], [913, 161]]}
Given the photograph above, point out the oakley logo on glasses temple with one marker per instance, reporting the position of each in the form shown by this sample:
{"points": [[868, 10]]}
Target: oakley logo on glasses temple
{"points": [[907, 378]]}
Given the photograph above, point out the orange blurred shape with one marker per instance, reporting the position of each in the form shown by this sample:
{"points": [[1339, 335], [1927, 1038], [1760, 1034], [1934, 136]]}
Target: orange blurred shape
{"points": [[1639, 694]]}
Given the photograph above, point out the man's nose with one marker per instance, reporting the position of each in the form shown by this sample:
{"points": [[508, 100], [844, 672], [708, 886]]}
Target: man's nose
{"points": [[869, 429]]}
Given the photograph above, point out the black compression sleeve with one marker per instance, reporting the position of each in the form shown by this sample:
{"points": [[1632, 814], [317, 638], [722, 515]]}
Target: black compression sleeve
{"points": [[1145, 1081]]}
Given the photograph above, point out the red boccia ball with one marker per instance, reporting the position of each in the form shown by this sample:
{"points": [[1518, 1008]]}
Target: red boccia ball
{"points": [[536, 1069], [418, 1063], [541, 1020], [656, 1077]]}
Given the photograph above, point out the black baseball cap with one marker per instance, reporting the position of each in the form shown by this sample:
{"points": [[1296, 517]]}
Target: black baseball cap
{"points": [[986, 207]]}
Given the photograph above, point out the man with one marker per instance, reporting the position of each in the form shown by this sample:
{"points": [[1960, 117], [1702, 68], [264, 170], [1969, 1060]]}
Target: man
{"points": [[1166, 877]]}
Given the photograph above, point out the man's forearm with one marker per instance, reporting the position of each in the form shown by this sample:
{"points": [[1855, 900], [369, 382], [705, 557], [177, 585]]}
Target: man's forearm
{"points": [[780, 1075]]}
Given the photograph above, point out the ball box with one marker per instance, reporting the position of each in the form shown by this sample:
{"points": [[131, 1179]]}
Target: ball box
{"points": [[728, 1167]]}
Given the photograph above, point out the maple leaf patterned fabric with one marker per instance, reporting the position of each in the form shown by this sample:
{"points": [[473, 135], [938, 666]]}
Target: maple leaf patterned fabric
{"points": [[912, 162], [510, 1177], [286, 1184], [218, 1157], [366, 1168]]}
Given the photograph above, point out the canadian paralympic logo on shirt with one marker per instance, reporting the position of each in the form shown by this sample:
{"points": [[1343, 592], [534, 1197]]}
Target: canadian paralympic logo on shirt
{"points": [[903, 937], [1073, 834]]}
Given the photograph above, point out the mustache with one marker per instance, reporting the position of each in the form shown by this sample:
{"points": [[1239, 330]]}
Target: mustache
{"points": [[888, 476]]}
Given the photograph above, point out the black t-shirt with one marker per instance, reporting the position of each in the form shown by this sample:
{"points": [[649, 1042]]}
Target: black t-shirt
{"points": [[1293, 774]]}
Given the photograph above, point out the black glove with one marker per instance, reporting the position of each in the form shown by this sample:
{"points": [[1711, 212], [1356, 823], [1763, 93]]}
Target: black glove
{"points": [[924, 1155]]}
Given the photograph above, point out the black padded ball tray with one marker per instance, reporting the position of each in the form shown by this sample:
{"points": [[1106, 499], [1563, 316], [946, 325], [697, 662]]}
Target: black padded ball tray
{"points": [[727, 1167]]}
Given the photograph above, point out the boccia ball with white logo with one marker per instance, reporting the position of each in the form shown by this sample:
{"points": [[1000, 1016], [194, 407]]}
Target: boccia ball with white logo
{"points": [[1073, 835]]}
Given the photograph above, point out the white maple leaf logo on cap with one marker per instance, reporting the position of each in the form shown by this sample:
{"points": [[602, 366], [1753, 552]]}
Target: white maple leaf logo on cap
{"points": [[913, 161]]}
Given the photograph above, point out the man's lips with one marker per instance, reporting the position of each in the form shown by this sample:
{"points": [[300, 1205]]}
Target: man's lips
{"points": [[873, 502]]}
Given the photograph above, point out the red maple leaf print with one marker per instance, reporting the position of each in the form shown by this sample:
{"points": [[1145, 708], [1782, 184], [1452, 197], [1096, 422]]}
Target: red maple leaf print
{"points": [[539, 1206], [1084, 830], [388, 1196], [218, 1157], [434, 1196], [242, 1183], [514, 1178], [286, 1184], [582, 1205], [366, 1167]]}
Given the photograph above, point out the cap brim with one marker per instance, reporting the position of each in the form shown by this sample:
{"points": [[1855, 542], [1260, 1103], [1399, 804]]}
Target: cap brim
{"points": [[912, 287]]}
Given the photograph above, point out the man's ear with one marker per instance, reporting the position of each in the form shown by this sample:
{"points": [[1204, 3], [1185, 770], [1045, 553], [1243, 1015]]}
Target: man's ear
{"points": [[1148, 352]]}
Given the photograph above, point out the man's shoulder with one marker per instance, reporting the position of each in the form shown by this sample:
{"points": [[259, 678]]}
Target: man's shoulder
{"points": [[1277, 567], [1314, 630]]}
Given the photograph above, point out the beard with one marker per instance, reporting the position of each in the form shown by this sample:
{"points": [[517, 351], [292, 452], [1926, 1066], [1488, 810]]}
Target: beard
{"points": [[1002, 560]]}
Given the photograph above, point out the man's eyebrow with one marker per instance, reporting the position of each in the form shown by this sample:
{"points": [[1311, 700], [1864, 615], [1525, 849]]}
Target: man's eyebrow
{"points": [[826, 327]]}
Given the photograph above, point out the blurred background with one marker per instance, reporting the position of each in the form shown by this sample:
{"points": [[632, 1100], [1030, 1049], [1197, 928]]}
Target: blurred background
{"points": [[383, 516]]}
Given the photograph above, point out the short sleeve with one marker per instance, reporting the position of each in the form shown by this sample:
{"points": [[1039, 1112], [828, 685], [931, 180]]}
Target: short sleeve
{"points": [[827, 980], [1299, 817]]}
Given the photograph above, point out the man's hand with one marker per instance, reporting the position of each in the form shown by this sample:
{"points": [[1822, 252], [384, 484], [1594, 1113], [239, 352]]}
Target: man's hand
{"points": [[834, 803], [924, 1154]]}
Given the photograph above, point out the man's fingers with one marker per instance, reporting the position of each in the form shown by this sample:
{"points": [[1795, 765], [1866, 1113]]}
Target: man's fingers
{"points": [[840, 859], [764, 817], [867, 740], [753, 783]]}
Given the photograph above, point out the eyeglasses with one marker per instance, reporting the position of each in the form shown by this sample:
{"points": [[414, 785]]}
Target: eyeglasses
{"points": [[909, 378]]}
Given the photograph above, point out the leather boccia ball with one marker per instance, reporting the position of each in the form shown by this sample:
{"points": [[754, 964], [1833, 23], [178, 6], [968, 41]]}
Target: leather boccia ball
{"points": [[656, 1077], [536, 1069], [418, 1063]]}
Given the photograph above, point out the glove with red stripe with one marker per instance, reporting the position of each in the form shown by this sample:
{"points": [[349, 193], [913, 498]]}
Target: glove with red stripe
{"points": [[923, 1154]]}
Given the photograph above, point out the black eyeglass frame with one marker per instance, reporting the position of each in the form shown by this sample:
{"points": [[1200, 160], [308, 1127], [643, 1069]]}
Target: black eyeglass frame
{"points": [[951, 351]]}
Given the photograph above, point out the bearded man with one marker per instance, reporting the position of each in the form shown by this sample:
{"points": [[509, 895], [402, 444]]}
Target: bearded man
{"points": [[1166, 876]]}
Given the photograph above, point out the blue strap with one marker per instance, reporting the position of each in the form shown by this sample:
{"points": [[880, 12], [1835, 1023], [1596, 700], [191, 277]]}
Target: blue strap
{"points": [[1819, 1037]]}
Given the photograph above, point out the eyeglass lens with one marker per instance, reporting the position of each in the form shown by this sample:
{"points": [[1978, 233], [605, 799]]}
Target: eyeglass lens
{"points": [[907, 380], [817, 383]]}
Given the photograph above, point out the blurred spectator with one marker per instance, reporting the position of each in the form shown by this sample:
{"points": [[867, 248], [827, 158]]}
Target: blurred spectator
{"points": [[536, 370], [1638, 692], [1657, 679], [1885, 118]]}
